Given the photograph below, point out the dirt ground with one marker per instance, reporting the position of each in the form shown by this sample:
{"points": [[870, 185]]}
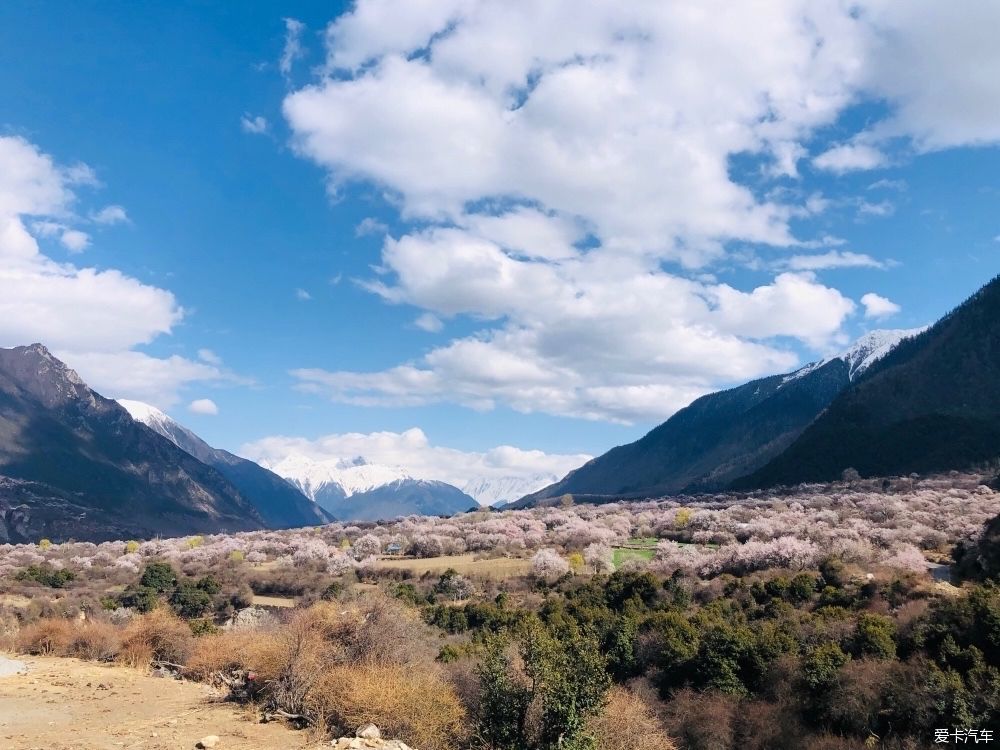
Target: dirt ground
{"points": [[67, 704]]}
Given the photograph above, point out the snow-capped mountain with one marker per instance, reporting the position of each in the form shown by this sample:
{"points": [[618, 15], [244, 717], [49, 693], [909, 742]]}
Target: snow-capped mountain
{"points": [[354, 489], [862, 354], [278, 502], [343, 476], [499, 490], [871, 347]]}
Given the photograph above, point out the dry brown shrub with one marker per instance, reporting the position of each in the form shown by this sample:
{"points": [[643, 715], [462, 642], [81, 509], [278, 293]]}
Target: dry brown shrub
{"points": [[48, 636], [701, 721], [95, 640], [263, 652], [627, 722], [416, 706], [156, 636]]}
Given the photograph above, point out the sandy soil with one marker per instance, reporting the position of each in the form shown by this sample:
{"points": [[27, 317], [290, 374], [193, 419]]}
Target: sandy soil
{"points": [[67, 704]]}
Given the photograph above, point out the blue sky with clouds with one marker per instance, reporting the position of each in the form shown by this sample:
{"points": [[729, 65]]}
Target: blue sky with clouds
{"points": [[501, 225]]}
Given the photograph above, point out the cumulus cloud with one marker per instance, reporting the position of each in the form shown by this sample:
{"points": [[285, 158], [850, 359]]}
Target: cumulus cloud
{"points": [[877, 306], [92, 318], [205, 406], [74, 240], [413, 450], [253, 124], [599, 336], [850, 157], [564, 169], [302, 295]]}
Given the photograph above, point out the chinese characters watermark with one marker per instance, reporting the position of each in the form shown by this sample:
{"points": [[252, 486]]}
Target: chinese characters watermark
{"points": [[962, 736]]}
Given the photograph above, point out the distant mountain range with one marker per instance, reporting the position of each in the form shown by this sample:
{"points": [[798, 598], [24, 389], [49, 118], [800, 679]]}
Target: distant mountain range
{"points": [[723, 436], [74, 464], [497, 491], [279, 503], [356, 490]]}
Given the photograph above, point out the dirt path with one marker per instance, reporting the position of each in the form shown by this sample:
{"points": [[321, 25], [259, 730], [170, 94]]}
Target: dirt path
{"points": [[67, 704]]}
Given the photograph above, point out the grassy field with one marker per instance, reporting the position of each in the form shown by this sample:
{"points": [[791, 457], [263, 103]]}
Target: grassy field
{"points": [[624, 554], [500, 567], [637, 548]]}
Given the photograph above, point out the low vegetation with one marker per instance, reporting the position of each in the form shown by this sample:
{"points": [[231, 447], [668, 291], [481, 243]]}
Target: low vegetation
{"points": [[806, 620]]}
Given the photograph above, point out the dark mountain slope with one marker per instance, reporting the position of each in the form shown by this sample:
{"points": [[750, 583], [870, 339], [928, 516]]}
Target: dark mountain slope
{"points": [[707, 444], [57, 433], [280, 504], [932, 404], [724, 435]]}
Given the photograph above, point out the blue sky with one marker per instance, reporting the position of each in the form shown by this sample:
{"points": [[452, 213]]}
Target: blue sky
{"points": [[501, 229]]}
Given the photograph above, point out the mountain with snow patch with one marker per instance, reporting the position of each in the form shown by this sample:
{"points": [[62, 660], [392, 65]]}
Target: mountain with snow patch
{"points": [[356, 490], [495, 491], [723, 436], [279, 503]]}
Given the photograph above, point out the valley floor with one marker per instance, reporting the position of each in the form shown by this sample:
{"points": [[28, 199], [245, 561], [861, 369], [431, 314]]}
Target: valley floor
{"points": [[67, 704]]}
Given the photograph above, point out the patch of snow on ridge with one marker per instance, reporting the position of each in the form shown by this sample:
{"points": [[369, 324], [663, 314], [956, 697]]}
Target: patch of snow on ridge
{"points": [[874, 345], [862, 354]]}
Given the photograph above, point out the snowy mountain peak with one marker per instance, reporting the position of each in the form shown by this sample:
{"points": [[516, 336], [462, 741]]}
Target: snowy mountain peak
{"points": [[498, 490], [862, 354], [351, 475], [146, 413], [871, 347]]}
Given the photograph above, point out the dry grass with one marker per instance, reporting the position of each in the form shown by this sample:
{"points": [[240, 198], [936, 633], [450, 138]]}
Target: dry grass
{"points": [[272, 601], [467, 565], [628, 723], [156, 636], [48, 636], [416, 706], [340, 668]]}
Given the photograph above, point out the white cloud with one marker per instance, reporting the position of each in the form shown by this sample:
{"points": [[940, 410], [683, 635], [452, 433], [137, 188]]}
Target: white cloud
{"points": [[74, 240], [850, 157], [413, 450], [428, 322], [141, 377], [302, 295], [832, 259], [586, 110], [877, 306], [253, 124], [205, 406], [293, 45], [207, 355], [882, 208], [598, 336], [92, 318], [885, 184], [565, 171], [938, 70], [112, 214], [370, 225]]}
